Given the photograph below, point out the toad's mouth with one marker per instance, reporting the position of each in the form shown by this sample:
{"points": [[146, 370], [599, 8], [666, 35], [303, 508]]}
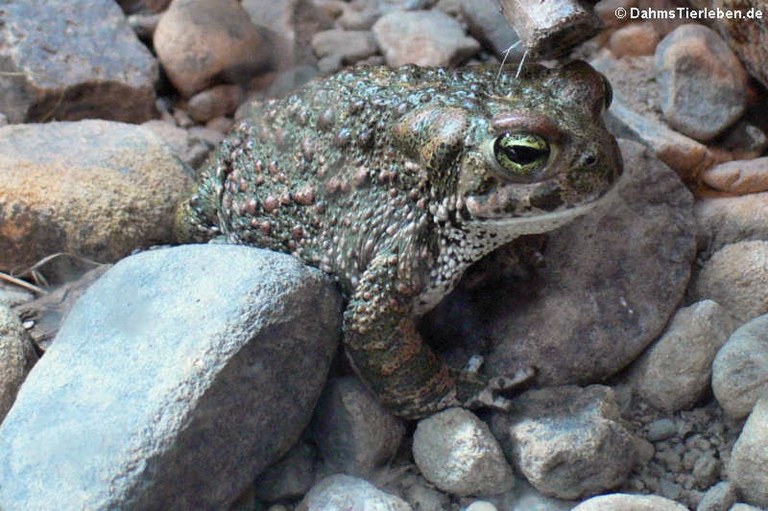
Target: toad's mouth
{"points": [[532, 220]]}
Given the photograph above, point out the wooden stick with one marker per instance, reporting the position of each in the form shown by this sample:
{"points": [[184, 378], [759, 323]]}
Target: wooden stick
{"points": [[550, 28]]}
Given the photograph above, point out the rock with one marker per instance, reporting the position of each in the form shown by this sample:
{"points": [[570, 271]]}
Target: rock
{"points": [[217, 101], [684, 155], [721, 221], [175, 379], [703, 84], [633, 115], [289, 478], [424, 38], [153, 6], [456, 452], [585, 315], [745, 507], [190, 150], [338, 47], [627, 502], [736, 277], [740, 176], [567, 441], [343, 493], [97, 189], [203, 42], [487, 25], [524, 497], [740, 370], [718, 498], [209, 137], [46, 313], [288, 26], [746, 36], [748, 468], [17, 356], [481, 505], [284, 83], [423, 496], [744, 141], [676, 370], [11, 295], [353, 431], [634, 39], [73, 60], [661, 429]]}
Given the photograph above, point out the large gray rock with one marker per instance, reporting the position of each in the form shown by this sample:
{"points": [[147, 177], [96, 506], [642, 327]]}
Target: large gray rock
{"points": [[175, 379], [600, 300], [71, 60], [97, 189]]}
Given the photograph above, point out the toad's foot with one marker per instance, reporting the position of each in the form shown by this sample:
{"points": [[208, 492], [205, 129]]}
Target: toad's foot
{"points": [[477, 391]]}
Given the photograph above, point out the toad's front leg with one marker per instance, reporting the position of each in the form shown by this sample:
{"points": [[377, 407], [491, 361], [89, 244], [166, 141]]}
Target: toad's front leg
{"points": [[389, 355]]}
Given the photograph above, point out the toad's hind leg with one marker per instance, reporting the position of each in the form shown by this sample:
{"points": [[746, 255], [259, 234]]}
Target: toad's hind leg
{"points": [[389, 355], [387, 352]]}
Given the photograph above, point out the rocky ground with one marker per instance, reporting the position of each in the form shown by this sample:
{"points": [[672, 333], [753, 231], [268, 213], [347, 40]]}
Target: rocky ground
{"points": [[647, 320]]}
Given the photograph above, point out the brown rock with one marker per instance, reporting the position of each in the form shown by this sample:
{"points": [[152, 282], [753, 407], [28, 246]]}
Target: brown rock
{"points": [[93, 188], [748, 37], [736, 277], [218, 101], [703, 84], [740, 176], [73, 60], [424, 38], [203, 42], [634, 39], [586, 314], [724, 220], [289, 26]]}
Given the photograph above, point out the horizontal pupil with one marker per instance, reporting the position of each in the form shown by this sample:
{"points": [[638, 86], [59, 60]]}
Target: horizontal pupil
{"points": [[523, 155]]}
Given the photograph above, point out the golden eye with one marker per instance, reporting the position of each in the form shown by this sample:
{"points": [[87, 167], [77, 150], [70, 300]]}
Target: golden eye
{"points": [[521, 154]]}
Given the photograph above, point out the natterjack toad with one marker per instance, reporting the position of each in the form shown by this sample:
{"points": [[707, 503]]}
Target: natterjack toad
{"points": [[394, 181]]}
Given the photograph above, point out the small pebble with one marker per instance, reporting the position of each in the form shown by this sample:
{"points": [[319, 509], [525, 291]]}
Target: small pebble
{"points": [[661, 429], [481, 505]]}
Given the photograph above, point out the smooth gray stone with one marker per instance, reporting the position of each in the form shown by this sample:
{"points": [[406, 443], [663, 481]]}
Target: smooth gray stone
{"points": [[176, 378]]}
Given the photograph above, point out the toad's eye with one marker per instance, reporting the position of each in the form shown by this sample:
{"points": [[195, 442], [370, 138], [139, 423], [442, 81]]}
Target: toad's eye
{"points": [[521, 155]]}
